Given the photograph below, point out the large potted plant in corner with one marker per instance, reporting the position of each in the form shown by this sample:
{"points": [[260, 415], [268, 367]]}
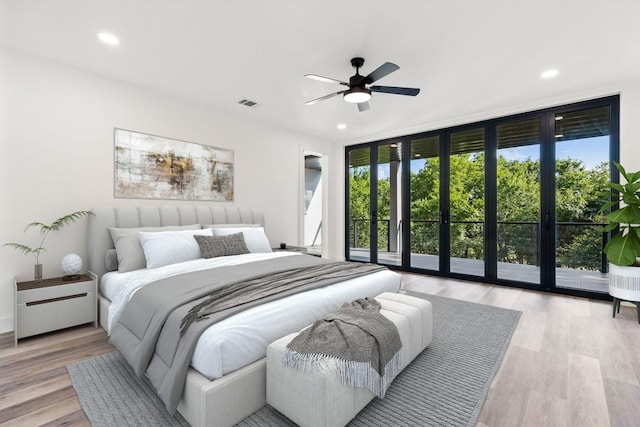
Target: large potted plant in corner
{"points": [[45, 229], [623, 249]]}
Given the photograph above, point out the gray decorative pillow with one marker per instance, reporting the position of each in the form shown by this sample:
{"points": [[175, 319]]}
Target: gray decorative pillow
{"points": [[128, 247], [111, 260], [216, 246]]}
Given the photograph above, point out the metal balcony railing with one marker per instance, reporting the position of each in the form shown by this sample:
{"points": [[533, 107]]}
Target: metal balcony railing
{"points": [[359, 229]]}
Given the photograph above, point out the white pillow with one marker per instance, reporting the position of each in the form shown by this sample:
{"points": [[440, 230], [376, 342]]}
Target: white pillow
{"points": [[129, 252], [171, 247], [254, 237]]}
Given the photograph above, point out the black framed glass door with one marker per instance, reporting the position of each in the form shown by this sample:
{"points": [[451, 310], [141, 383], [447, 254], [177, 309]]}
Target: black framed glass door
{"points": [[423, 233], [518, 213], [359, 198], [512, 201], [466, 202], [374, 186]]}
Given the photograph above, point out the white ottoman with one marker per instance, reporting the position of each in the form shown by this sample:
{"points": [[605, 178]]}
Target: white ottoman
{"points": [[318, 398]]}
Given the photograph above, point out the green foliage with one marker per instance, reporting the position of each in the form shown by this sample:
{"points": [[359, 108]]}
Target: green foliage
{"points": [[45, 229], [624, 246]]}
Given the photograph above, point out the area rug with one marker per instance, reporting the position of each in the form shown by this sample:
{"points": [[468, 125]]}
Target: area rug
{"points": [[444, 386]]}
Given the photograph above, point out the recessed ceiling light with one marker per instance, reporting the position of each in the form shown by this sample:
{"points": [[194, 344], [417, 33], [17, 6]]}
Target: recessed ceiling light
{"points": [[549, 74], [341, 126], [109, 39], [559, 135], [393, 145], [417, 155], [559, 117]]}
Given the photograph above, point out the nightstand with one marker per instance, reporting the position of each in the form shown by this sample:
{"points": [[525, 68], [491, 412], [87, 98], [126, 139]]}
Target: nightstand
{"points": [[52, 304], [291, 249]]}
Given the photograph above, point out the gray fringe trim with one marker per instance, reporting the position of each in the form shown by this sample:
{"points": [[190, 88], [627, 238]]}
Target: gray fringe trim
{"points": [[350, 372]]}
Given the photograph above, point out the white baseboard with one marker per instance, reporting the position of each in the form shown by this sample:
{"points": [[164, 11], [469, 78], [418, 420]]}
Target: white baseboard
{"points": [[6, 324]]}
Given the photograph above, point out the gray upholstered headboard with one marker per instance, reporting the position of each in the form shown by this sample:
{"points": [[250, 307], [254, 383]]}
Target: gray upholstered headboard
{"points": [[156, 216]]}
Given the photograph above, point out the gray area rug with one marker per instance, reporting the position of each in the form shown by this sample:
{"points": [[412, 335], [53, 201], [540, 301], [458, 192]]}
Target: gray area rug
{"points": [[111, 395], [445, 385]]}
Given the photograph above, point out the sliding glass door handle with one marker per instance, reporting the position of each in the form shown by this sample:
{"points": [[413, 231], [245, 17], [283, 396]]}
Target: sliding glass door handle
{"points": [[547, 221]]}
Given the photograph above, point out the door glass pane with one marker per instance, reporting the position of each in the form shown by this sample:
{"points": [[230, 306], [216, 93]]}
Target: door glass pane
{"points": [[466, 205], [389, 203], [425, 202], [582, 172], [518, 176], [359, 204]]}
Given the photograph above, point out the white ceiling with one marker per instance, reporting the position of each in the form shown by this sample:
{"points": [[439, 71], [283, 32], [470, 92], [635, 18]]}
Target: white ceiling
{"points": [[468, 57]]}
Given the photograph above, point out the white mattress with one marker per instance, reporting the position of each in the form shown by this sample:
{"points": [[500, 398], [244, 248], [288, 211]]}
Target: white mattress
{"points": [[243, 338]]}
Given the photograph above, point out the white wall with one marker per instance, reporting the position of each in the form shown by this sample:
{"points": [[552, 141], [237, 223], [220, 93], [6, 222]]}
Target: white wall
{"points": [[56, 135]]}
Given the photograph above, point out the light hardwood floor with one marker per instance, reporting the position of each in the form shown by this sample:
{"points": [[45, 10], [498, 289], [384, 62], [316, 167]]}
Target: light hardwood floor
{"points": [[569, 363]]}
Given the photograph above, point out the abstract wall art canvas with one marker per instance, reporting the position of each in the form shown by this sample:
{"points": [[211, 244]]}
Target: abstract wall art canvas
{"points": [[154, 167]]}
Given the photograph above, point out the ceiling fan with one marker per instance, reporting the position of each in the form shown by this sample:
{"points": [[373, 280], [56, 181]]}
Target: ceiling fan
{"points": [[358, 92]]}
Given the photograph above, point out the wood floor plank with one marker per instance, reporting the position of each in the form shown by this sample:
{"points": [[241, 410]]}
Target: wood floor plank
{"points": [[25, 393], [47, 414], [587, 403], [544, 410], [623, 401], [530, 331], [32, 405], [74, 419]]}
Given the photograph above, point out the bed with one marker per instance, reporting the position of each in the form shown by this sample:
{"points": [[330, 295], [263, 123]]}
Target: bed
{"points": [[224, 392]]}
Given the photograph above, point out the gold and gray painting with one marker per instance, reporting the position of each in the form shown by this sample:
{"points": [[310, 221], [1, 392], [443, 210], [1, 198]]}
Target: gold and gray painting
{"points": [[154, 167]]}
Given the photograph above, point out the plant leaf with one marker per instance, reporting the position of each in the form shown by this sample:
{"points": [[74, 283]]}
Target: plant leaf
{"points": [[35, 224], [68, 219], [621, 170], [630, 214], [21, 248], [622, 250], [608, 205], [617, 187], [609, 227], [634, 176]]}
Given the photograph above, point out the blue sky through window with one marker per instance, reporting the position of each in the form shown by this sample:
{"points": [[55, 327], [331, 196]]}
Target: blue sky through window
{"points": [[592, 151]]}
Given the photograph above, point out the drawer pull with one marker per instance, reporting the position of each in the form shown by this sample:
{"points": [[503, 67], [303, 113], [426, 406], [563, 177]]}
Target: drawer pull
{"points": [[46, 301]]}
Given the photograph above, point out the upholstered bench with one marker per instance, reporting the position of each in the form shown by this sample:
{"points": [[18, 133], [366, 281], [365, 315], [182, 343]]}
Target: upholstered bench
{"points": [[318, 398]]}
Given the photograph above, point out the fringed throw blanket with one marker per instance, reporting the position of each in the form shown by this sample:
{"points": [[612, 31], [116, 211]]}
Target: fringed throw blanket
{"points": [[364, 344]]}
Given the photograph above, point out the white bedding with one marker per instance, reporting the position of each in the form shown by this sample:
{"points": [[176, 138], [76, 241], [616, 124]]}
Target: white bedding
{"points": [[243, 338]]}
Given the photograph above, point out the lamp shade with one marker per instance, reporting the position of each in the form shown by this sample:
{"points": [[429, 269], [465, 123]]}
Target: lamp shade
{"points": [[357, 95], [71, 264]]}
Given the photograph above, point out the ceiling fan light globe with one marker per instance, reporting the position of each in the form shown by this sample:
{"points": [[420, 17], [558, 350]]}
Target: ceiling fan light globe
{"points": [[357, 95]]}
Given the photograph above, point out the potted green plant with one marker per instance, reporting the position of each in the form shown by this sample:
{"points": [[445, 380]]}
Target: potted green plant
{"points": [[45, 229], [624, 247]]}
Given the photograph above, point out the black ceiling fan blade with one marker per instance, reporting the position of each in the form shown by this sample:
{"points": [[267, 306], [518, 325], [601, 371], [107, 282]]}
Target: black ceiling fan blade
{"points": [[383, 70], [331, 95], [363, 106], [325, 79], [395, 90]]}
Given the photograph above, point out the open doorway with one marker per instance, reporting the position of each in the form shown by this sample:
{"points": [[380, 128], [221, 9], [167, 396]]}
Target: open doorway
{"points": [[313, 203]]}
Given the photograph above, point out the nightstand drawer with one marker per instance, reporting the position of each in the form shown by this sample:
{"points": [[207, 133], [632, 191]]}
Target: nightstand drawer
{"points": [[33, 296], [76, 311], [35, 319], [48, 315]]}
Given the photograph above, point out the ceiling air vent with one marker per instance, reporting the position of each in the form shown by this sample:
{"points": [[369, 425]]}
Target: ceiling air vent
{"points": [[247, 103]]}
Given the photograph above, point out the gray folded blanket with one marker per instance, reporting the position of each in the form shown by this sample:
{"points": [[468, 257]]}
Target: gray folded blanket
{"points": [[363, 345]]}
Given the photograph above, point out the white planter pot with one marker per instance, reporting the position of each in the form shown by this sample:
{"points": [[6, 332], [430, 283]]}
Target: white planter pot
{"points": [[624, 282]]}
